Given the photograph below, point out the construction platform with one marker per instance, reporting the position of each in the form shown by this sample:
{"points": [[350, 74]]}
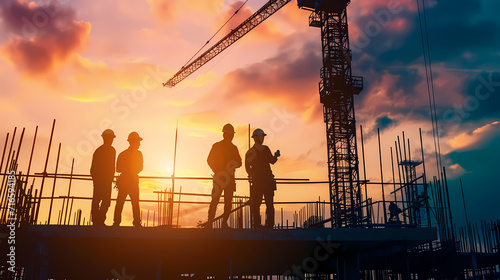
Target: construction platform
{"points": [[95, 252]]}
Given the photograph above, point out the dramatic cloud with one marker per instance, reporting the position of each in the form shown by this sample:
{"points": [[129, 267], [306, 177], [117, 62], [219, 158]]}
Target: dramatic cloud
{"points": [[467, 140], [482, 97], [480, 183], [42, 38], [383, 122], [289, 78]]}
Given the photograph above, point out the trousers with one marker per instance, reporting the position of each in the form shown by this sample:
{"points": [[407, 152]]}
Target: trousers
{"points": [[257, 191], [123, 192], [101, 200]]}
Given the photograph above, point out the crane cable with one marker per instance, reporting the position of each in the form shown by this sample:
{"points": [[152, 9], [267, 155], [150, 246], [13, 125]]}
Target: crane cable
{"points": [[430, 84], [215, 34]]}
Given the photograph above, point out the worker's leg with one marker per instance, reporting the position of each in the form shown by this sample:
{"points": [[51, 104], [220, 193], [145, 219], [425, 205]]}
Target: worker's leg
{"points": [[96, 199], [120, 200], [255, 202], [269, 198], [228, 203], [216, 193], [136, 210], [105, 202]]}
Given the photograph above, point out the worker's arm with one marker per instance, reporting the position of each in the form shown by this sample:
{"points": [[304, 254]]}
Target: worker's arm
{"points": [[237, 157], [93, 166], [249, 156], [119, 164], [114, 161], [272, 159], [140, 162], [211, 158]]}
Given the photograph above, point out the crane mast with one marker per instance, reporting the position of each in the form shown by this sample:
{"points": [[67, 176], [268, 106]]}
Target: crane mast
{"points": [[336, 88], [262, 14]]}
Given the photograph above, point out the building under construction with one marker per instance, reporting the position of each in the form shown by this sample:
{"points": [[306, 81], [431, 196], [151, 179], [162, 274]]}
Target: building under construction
{"points": [[405, 231]]}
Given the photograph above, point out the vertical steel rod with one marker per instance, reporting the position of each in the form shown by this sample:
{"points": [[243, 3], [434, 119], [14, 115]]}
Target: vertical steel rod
{"points": [[179, 206], [171, 206], [32, 151], [7, 165], [364, 171], [54, 185], [45, 170], [382, 177], [449, 203], [69, 190]]}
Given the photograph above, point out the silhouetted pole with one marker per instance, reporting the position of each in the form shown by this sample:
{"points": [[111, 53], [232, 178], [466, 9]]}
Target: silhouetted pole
{"points": [[411, 185], [69, 190], [472, 246], [399, 177], [381, 176], [3, 200], [28, 200], [32, 151], [1, 162], [178, 206], [54, 185], [171, 206], [364, 170], [45, 171], [449, 204], [393, 178], [4, 149], [19, 146], [405, 179]]}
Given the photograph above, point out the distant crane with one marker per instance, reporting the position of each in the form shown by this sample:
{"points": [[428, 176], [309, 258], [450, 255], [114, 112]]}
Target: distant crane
{"points": [[336, 88]]}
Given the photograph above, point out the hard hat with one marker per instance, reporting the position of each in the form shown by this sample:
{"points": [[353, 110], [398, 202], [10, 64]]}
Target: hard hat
{"points": [[228, 128], [257, 132], [133, 136], [108, 132]]}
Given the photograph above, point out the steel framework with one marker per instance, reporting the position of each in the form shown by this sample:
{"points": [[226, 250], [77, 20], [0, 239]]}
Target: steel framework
{"points": [[337, 89]]}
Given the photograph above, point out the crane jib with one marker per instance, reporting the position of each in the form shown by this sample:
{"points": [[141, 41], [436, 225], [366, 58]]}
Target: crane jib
{"points": [[250, 23]]}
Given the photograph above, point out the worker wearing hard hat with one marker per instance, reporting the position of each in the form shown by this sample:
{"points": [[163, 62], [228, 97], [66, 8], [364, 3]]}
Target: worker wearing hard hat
{"points": [[102, 171], [262, 184], [223, 159], [129, 164]]}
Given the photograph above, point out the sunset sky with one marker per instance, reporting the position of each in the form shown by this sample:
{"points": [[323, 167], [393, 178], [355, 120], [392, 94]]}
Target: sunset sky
{"points": [[93, 65]]}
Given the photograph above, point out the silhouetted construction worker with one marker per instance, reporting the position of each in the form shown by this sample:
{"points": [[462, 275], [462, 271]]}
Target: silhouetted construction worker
{"points": [[129, 164], [102, 171], [262, 184], [223, 159], [394, 212]]}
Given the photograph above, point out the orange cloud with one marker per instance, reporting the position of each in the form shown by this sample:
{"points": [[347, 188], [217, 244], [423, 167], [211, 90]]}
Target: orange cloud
{"points": [[43, 38], [167, 11], [465, 139], [164, 10]]}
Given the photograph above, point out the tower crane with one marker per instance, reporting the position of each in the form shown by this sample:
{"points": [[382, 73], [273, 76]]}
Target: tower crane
{"points": [[336, 89]]}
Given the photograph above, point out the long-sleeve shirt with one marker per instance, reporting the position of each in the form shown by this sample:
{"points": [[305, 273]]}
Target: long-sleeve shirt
{"points": [[102, 168], [258, 162], [129, 164]]}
